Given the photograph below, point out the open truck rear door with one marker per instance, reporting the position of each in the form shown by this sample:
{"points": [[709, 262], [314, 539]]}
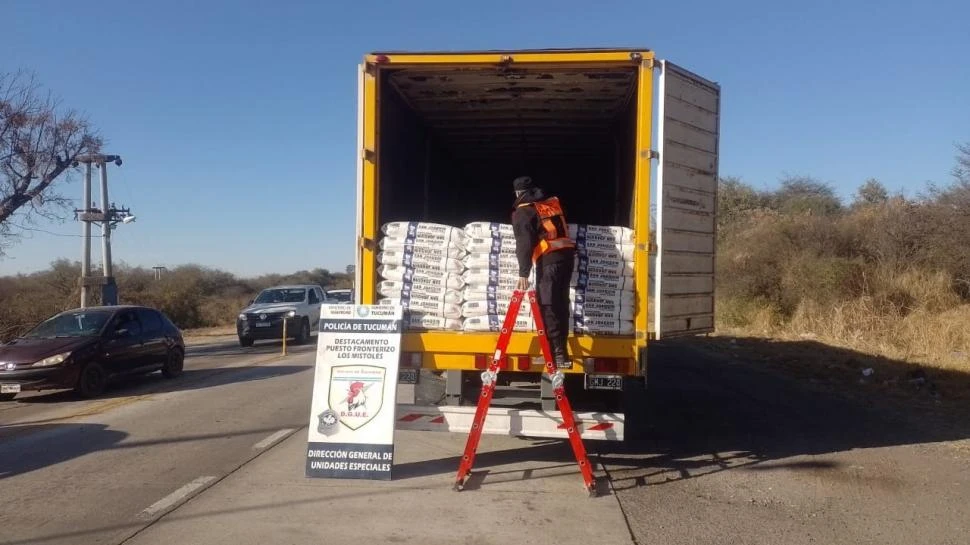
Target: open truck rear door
{"points": [[687, 179]]}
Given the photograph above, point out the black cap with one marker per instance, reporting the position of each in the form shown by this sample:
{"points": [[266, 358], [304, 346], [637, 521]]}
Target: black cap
{"points": [[523, 183]]}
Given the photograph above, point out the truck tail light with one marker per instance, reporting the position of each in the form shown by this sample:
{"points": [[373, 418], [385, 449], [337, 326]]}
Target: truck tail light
{"points": [[411, 359], [603, 365], [482, 361], [522, 363], [382, 59]]}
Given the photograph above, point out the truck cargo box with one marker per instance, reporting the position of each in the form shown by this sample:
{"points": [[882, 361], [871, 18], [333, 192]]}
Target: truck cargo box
{"points": [[442, 136]]}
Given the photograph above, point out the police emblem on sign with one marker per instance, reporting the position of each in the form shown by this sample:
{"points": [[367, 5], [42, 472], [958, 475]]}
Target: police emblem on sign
{"points": [[356, 393], [328, 421]]}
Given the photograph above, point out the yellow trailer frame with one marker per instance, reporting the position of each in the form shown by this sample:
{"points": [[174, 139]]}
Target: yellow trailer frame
{"points": [[456, 350]]}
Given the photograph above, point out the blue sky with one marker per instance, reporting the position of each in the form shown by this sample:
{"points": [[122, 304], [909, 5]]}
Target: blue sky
{"points": [[236, 120]]}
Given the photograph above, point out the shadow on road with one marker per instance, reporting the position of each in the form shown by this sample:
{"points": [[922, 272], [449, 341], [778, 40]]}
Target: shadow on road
{"points": [[706, 412], [191, 379], [29, 447], [716, 408], [52, 444]]}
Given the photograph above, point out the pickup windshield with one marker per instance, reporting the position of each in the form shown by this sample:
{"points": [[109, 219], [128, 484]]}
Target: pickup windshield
{"points": [[340, 296], [87, 323], [278, 295]]}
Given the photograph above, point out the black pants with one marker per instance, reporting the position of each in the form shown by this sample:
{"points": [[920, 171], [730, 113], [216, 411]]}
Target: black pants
{"points": [[553, 274]]}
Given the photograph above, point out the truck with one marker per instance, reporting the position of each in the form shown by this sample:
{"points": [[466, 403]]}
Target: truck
{"points": [[621, 137]]}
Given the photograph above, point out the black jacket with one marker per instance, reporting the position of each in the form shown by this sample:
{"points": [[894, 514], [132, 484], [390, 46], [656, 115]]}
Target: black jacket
{"points": [[525, 225]]}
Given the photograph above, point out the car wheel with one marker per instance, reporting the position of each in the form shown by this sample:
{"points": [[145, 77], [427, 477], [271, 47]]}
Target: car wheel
{"points": [[7, 397], [92, 381], [246, 341], [174, 363], [304, 332]]}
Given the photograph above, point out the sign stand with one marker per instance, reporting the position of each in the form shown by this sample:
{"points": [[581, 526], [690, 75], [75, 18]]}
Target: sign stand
{"points": [[351, 433]]}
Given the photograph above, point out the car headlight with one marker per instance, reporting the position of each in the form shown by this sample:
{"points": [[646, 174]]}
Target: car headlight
{"points": [[53, 360], [291, 314], [243, 317]]}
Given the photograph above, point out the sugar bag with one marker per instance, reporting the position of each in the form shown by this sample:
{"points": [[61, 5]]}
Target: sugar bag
{"points": [[420, 321], [494, 323], [398, 272], [436, 308], [402, 233], [487, 229]]}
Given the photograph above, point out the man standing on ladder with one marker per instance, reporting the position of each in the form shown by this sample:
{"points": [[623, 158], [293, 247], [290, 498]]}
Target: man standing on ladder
{"points": [[542, 239]]}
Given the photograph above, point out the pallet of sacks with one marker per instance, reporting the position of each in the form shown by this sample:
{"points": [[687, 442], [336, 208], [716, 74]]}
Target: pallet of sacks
{"points": [[602, 294], [421, 267], [602, 299], [491, 273]]}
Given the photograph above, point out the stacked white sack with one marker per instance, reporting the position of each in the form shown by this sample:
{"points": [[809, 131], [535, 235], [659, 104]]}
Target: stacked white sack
{"points": [[421, 266], [602, 295], [491, 273]]}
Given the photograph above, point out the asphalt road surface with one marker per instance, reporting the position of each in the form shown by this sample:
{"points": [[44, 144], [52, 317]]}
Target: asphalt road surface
{"points": [[740, 455], [732, 455], [95, 471]]}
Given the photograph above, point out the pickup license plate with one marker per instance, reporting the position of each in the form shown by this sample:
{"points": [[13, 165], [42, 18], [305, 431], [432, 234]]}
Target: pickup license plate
{"points": [[263, 324], [407, 376], [9, 388], [604, 382]]}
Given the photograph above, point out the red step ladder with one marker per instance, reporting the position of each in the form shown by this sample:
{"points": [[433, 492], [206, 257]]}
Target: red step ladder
{"points": [[489, 379]]}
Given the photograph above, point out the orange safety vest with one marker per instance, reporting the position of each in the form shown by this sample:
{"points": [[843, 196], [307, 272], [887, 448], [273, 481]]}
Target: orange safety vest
{"points": [[554, 234]]}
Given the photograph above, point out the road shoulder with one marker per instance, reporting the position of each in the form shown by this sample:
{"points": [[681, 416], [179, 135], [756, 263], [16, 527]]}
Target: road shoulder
{"points": [[532, 493]]}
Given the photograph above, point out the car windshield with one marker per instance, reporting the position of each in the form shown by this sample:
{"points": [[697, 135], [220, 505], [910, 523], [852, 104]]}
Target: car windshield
{"points": [[278, 295], [341, 296], [79, 323]]}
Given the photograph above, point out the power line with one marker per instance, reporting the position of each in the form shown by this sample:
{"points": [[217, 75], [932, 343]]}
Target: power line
{"points": [[25, 228]]}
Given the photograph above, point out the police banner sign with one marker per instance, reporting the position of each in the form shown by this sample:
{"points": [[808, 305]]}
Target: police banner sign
{"points": [[354, 392]]}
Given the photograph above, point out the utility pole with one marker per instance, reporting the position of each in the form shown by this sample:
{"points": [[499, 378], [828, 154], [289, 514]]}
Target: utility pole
{"points": [[109, 290], [86, 234], [108, 217]]}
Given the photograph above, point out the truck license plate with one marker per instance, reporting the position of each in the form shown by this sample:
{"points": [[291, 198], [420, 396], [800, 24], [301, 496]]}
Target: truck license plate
{"points": [[604, 382], [9, 388], [407, 376]]}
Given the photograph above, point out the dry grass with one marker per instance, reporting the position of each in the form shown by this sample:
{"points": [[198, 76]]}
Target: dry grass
{"points": [[209, 334], [913, 317], [916, 356], [939, 340]]}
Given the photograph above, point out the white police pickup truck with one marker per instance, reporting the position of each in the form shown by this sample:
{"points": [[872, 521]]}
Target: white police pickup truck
{"points": [[298, 306]]}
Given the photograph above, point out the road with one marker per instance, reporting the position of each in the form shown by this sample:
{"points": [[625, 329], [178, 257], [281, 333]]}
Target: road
{"points": [[734, 455], [94, 471]]}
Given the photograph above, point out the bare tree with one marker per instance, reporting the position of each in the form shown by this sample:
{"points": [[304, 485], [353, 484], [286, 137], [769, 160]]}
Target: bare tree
{"points": [[39, 142], [961, 172]]}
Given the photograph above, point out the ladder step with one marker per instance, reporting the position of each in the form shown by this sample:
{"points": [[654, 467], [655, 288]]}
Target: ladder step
{"points": [[514, 422]]}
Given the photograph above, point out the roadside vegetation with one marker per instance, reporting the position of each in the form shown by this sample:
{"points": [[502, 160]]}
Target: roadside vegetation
{"points": [[884, 274], [191, 295]]}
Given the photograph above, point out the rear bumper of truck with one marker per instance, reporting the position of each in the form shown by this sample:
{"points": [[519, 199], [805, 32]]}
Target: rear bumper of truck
{"points": [[514, 422], [468, 351]]}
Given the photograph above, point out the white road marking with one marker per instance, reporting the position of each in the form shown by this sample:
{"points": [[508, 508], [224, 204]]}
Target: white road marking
{"points": [[272, 439], [175, 497]]}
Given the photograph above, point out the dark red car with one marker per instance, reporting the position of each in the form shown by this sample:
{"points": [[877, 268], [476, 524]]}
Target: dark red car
{"points": [[83, 349]]}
